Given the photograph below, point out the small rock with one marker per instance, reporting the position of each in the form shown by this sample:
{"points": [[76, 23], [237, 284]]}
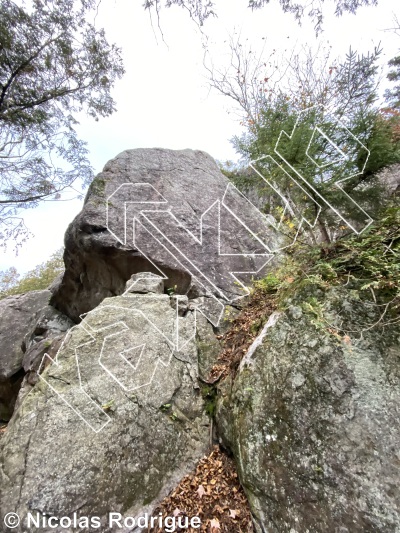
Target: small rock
{"points": [[298, 381], [145, 282], [295, 312], [180, 302]]}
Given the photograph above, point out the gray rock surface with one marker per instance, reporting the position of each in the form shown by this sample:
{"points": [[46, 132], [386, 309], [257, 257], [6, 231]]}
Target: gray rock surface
{"points": [[17, 322], [191, 226], [208, 347], [115, 422], [28, 328], [390, 176], [144, 283], [313, 420]]}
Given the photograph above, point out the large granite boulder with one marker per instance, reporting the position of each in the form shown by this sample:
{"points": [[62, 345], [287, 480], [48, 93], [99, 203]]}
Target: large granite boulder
{"points": [[169, 212], [17, 320], [117, 418], [26, 323], [313, 419]]}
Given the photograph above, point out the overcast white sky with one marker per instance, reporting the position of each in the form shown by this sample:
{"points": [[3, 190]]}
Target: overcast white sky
{"points": [[163, 99]]}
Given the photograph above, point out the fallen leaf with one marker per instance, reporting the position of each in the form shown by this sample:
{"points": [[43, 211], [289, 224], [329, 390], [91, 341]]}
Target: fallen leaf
{"points": [[201, 491], [214, 524]]}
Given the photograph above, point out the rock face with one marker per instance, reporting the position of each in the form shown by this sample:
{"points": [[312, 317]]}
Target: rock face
{"points": [[169, 212], [390, 177], [110, 414], [115, 421], [17, 320], [313, 421], [28, 327]]}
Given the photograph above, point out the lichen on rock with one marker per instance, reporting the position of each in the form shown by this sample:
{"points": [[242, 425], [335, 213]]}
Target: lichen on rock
{"points": [[313, 423]]}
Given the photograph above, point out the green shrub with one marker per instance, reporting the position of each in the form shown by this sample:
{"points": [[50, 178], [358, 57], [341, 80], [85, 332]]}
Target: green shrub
{"points": [[369, 264]]}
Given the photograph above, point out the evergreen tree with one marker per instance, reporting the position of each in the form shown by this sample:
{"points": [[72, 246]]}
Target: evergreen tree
{"points": [[325, 174]]}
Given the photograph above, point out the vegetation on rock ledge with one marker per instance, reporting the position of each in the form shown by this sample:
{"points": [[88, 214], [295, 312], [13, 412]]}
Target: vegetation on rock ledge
{"points": [[367, 263]]}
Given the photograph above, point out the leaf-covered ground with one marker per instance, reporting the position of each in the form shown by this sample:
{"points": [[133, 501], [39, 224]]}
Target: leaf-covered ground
{"points": [[240, 336], [214, 494]]}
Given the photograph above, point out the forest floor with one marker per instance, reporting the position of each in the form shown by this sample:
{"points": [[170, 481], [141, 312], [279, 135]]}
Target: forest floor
{"points": [[213, 493]]}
